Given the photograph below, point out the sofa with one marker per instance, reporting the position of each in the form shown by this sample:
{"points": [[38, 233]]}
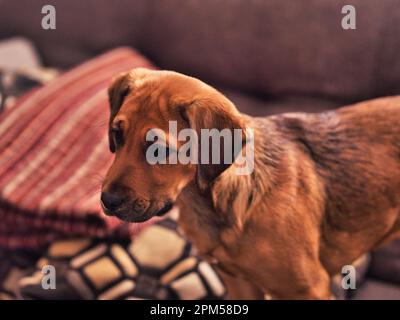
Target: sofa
{"points": [[267, 56]]}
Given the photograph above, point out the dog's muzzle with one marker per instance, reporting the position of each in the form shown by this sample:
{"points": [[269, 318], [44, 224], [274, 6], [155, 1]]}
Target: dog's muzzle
{"points": [[138, 210]]}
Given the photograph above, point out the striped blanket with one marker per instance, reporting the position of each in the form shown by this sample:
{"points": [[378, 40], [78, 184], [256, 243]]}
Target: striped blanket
{"points": [[54, 154]]}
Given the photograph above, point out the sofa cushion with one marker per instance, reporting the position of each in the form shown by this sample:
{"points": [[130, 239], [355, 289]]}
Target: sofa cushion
{"points": [[84, 29], [256, 106]]}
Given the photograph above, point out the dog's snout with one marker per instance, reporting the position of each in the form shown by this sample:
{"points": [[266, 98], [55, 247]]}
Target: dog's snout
{"points": [[111, 201]]}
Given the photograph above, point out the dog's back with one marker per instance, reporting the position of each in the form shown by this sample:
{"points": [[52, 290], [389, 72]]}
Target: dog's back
{"points": [[356, 151]]}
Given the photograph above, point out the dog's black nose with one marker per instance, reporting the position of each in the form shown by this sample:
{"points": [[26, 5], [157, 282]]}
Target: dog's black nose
{"points": [[111, 201]]}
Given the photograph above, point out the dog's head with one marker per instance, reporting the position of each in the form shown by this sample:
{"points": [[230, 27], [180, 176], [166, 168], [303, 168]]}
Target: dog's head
{"points": [[143, 100]]}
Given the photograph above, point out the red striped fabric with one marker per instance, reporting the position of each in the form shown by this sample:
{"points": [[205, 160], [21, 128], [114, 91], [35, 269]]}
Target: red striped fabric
{"points": [[54, 154]]}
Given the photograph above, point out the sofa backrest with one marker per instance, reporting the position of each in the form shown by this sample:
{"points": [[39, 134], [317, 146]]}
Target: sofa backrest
{"points": [[267, 48]]}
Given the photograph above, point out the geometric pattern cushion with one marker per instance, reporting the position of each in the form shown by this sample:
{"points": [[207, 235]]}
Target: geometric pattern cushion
{"points": [[14, 265], [158, 264]]}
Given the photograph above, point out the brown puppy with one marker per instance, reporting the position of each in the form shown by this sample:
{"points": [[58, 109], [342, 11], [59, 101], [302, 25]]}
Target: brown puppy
{"points": [[325, 187]]}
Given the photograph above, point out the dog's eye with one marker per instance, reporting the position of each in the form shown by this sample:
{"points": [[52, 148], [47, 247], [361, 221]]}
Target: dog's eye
{"points": [[118, 137], [158, 152]]}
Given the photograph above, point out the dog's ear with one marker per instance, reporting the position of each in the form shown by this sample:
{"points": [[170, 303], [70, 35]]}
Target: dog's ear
{"points": [[117, 92], [222, 115]]}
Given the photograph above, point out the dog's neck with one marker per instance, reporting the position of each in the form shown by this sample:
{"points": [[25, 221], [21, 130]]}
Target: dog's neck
{"points": [[234, 195], [228, 201]]}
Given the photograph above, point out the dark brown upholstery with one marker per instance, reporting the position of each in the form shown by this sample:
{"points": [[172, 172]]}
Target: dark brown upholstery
{"points": [[386, 263]]}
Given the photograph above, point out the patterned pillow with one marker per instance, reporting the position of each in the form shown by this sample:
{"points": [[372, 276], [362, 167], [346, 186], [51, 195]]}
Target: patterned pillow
{"points": [[158, 264], [53, 154]]}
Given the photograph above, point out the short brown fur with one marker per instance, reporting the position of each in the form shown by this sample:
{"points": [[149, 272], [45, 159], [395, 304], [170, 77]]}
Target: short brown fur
{"points": [[325, 188]]}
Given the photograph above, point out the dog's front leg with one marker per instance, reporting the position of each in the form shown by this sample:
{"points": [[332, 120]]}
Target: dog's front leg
{"points": [[308, 282], [238, 288]]}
